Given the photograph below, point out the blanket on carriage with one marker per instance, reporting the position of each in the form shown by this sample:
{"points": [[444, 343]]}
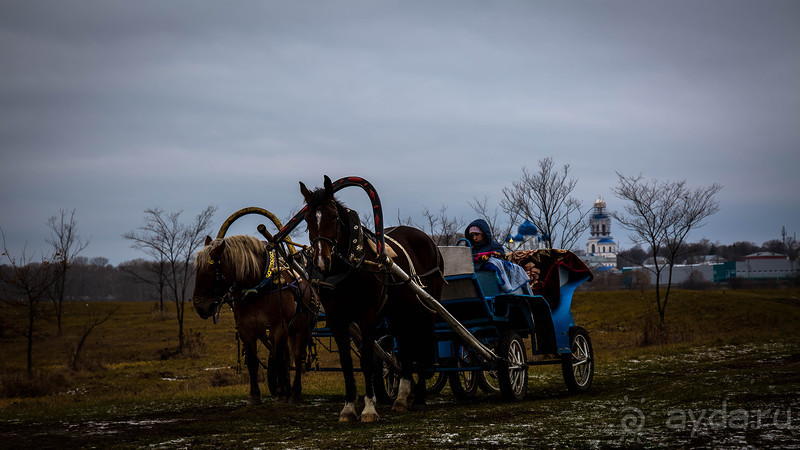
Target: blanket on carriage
{"points": [[547, 284], [511, 277]]}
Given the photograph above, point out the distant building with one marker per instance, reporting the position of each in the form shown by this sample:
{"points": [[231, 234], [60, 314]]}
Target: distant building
{"points": [[757, 266], [601, 250], [765, 265]]}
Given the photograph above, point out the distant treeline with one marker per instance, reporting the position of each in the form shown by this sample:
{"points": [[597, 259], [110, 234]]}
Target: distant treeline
{"points": [[95, 280], [696, 252]]}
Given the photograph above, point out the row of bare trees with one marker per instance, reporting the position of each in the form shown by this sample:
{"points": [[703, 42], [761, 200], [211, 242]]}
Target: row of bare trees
{"points": [[28, 281]]}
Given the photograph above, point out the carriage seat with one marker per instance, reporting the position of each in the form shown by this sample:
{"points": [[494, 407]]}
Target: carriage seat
{"points": [[458, 260]]}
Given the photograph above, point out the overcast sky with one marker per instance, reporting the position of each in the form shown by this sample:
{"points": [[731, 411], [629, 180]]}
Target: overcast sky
{"points": [[112, 107]]}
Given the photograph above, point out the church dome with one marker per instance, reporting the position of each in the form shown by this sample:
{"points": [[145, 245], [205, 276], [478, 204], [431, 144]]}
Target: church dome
{"points": [[527, 228], [599, 203]]}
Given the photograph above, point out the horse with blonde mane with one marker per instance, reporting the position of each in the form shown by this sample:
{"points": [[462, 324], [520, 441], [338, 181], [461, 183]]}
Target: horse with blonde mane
{"points": [[280, 316]]}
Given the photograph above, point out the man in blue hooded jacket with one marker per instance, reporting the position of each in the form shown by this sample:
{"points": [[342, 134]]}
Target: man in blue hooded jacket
{"points": [[510, 276], [479, 236]]}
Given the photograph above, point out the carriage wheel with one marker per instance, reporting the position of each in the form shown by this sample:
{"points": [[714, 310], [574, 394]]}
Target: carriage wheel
{"points": [[464, 383], [578, 367], [436, 383], [487, 381], [272, 377], [512, 376], [385, 380]]}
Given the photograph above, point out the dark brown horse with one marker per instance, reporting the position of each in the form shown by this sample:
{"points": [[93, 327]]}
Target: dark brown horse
{"points": [[281, 318], [355, 287]]}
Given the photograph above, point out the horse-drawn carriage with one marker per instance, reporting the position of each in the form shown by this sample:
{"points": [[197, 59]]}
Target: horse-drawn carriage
{"points": [[504, 322], [415, 307]]}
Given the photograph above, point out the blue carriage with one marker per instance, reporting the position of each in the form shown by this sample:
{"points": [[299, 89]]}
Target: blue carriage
{"points": [[483, 325]]}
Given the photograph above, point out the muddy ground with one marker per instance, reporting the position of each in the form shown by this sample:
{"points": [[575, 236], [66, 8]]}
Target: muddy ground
{"points": [[733, 396]]}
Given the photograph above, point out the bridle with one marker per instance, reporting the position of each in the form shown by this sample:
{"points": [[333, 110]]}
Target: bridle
{"points": [[223, 295], [334, 242]]}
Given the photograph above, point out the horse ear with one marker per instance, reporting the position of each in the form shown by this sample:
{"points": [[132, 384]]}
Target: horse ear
{"points": [[208, 240], [217, 250], [304, 190], [328, 187]]}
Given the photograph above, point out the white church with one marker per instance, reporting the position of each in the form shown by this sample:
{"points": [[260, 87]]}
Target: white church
{"points": [[601, 250]]}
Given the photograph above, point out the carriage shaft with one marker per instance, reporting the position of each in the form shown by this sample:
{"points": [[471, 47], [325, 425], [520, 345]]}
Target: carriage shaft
{"points": [[434, 304]]}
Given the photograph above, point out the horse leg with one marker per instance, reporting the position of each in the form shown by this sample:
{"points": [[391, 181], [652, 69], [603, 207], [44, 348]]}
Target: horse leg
{"points": [[251, 358], [404, 392], [282, 363], [369, 414], [299, 344], [423, 349], [348, 413], [420, 391]]}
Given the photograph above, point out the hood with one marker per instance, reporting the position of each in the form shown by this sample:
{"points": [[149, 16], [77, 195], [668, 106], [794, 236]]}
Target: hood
{"points": [[480, 223]]}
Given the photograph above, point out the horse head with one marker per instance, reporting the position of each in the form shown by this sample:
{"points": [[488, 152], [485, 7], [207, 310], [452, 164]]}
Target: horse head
{"points": [[322, 219], [210, 285], [221, 266]]}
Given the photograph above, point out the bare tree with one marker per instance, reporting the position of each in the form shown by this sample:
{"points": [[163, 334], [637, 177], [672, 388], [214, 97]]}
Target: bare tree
{"points": [[149, 240], [66, 246], [545, 199], [153, 273], [403, 221], [93, 322], [164, 236], [661, 214], [28, 283], [442, 229], [791, 247]]}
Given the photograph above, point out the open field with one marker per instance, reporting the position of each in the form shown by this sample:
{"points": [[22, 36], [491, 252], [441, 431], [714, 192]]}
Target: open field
{"points": [[727, 373]]}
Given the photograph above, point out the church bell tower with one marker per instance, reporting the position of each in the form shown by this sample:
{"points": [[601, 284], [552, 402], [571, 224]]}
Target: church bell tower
{"points": [[600, 242]]}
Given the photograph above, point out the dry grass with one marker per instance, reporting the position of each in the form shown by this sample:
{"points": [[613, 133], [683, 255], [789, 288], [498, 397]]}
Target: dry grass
{"points": [[126, 374], [621, 322], [136, 349]]}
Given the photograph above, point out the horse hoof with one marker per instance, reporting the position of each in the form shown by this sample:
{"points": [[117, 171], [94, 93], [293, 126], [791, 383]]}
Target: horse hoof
{"points": [[347, 418], [365, 418], [281, 400], [295, 400], [252, 401], [400, 407]]}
